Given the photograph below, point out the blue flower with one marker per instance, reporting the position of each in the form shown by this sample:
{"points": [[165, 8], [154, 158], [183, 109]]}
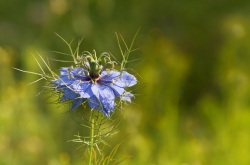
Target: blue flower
{"points": [[100, 89]]}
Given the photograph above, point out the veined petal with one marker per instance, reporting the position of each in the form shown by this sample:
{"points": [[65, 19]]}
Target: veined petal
{"points": [[104, 105], [109, 75], [94, 103], [80, 75], [85, 90], [63, 80], [74, 73], [77, 71], [118, 91], [122, 79], [67, 71], [76, 103], [94, 100], [95, 90], [126, 80], [102, 99], [82, 78], [127, 96], [64, 71], [68, 94]]}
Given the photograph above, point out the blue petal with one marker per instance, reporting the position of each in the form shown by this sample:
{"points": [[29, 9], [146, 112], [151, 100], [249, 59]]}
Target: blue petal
{"points": [[95, 89], [118, 91], [65, 80], [83, 88], [68, 94], [62, 81], [73, 74], [76, 103], [67, 71], [77, 71], [79, 74], [126, 80], [102, 99], [109, 75], [64, 71], [127, 96], [103, 105], [122, 79], [95, 103]]}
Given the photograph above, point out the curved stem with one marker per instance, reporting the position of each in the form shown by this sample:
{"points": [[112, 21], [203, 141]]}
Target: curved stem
{"points": [[92, 131]]}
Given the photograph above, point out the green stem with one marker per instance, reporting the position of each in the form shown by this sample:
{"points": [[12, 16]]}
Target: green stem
{"points": [[92, 131]]}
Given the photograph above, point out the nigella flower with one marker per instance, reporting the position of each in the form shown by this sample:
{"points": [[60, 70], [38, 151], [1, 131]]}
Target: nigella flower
{"points": [[92, 82]]}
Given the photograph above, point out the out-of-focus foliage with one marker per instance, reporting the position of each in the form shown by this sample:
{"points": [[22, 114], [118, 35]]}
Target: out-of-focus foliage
{"points": [[193, 103]]}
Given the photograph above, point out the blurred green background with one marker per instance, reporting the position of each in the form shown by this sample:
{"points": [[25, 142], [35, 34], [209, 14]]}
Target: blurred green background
{"points": [[193, 102]]}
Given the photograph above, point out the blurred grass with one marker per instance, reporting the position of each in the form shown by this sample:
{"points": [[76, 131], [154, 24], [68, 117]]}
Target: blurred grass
{"points": [[193, 102]]}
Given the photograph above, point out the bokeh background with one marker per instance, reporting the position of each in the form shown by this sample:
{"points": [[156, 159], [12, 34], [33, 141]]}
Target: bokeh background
{"points": [[193, 102]]}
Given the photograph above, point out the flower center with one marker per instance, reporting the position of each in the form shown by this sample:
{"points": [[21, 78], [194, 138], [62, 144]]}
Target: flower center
{"points": [[94, 70], [95, 65], [94, 76]]}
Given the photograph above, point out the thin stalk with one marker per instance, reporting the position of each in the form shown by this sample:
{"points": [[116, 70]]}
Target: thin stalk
{"points": [[92, 131], [69, 45]]}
